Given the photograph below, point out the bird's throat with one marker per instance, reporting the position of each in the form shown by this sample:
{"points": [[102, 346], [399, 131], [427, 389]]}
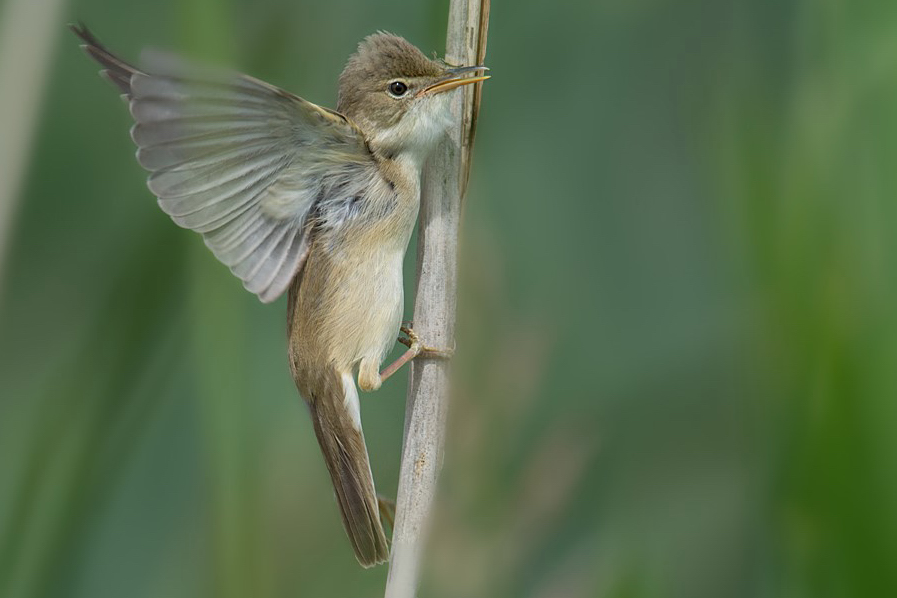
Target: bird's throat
{"points": [[414, 137]]}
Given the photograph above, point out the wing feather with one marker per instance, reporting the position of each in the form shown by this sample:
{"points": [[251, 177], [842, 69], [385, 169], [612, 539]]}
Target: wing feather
{"points": [[194, 177], [264, 277], [252, 267], [193, 154], [239, 161]]}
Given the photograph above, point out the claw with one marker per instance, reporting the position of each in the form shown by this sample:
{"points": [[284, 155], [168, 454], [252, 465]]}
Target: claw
{"points": [[412, 337]]}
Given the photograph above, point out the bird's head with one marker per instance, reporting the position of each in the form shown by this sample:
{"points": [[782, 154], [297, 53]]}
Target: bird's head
{"points": [[396, 96]]}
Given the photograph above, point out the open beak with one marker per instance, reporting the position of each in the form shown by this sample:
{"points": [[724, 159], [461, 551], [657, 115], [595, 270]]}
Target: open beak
{"points": [[455, 78]]}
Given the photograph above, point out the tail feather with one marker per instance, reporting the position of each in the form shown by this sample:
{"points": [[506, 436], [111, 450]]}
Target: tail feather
{"points": [[338, 429]]}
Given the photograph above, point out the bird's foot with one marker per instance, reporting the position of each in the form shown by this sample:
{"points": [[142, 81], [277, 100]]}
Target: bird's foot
{"points": [[411, 340], [387, 508], [415, 349]]}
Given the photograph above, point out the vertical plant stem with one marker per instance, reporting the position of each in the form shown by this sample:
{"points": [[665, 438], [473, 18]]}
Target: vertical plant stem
{"points": [[28, 34], [442, 189]]}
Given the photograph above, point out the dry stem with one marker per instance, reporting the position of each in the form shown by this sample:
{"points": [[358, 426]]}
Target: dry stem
{"points": [[443, 186]]}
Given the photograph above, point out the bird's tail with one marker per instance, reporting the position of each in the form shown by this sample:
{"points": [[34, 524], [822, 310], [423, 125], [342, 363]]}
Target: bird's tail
{"points": [[335, 414]]}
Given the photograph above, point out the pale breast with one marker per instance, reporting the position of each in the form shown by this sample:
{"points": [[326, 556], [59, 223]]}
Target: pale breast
{"points": [[367, 308], [349, 302]]}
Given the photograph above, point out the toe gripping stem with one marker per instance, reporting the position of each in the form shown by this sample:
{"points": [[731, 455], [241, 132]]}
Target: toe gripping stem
{"points": [[412, 341], [415, 349]]}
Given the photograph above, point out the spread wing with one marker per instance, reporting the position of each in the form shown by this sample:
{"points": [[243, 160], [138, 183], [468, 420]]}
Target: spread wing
{"points": [[239, 161]]}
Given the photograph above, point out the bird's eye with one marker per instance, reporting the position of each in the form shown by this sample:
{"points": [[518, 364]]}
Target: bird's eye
{"points": [[397, 89]]}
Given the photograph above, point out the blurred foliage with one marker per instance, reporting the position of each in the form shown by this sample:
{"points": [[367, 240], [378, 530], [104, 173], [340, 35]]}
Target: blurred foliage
{"points": [[678, 334]]}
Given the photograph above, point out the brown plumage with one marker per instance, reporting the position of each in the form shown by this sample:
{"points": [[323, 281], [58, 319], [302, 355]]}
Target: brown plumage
{"points": [[291, 195]]}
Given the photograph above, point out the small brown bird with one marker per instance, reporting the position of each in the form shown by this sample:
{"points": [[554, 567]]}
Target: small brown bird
{"points": [[292, 195]]}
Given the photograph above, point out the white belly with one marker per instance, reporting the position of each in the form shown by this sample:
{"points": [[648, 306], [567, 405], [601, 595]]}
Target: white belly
{"points": [[370, 311]]}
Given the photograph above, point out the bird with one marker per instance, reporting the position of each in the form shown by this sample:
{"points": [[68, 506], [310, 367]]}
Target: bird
{"points": [[318, 203]]}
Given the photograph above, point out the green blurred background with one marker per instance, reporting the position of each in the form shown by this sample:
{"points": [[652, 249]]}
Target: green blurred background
{"points": [[677, 364]]}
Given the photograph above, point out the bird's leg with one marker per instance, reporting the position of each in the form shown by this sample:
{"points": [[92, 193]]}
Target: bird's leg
{"points": [[415, 349]]}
